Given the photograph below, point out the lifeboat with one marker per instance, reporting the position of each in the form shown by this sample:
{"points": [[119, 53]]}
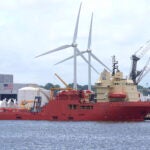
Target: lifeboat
{"points": [[117, 95]]}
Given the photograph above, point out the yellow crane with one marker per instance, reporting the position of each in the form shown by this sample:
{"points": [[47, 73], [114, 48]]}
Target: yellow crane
{"points": [[67, 87]]}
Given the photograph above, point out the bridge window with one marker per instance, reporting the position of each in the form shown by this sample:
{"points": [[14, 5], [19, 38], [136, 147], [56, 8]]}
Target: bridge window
{"points": [[18, 117], [54, 117], [70, 118], [73, 106], [86, 107]]}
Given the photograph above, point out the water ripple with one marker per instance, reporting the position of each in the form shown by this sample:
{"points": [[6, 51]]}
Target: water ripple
{"points": [[45, 135]]}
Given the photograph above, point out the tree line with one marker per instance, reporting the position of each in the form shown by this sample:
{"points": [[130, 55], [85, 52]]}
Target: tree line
{"points": [[142, 89], [80, 87]]}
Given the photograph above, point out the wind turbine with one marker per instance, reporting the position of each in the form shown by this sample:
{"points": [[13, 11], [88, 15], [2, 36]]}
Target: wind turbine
{"points": [[74, 46], [89, 55]]}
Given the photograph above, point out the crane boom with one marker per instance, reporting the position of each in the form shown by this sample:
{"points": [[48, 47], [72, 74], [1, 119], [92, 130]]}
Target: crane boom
{"points": [[144, 71], [143, 50], [66, 85]]}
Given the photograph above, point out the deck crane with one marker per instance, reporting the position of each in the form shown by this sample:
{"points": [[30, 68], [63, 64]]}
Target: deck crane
{"points": [[144, 71], [135, 58], [67, 87]]}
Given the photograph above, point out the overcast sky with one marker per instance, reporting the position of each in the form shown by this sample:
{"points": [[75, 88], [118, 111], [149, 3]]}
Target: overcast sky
{"points": [[31, 27]]}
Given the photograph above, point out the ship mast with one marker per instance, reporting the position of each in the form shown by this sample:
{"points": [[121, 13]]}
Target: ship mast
{"points": [[114, 65]]}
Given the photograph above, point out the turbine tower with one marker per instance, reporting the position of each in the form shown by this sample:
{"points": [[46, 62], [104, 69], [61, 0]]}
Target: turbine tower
{"points": [[74, 46], [89, 53]]}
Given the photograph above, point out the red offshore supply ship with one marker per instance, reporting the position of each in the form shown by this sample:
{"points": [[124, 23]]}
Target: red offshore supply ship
{"points": [[115, 99]]}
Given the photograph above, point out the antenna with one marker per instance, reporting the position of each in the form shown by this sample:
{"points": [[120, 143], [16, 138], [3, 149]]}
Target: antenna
{"points": [[114, 62]]}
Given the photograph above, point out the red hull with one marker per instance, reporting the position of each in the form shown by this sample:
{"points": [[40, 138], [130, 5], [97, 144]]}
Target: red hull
{"points": [[64, 110]]}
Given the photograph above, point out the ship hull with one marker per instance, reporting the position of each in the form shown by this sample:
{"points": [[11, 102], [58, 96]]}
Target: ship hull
{"points": [[70, 110]]}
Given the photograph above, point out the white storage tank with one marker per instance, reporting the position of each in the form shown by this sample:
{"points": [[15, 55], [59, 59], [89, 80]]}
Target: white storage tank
{"points": [[29, 93]]}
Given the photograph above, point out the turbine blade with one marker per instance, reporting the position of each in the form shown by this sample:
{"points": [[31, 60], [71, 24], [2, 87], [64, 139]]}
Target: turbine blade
{"points": [[76, 27], [69, 58], [54, 50], [63, 60], [90, 34], [86, 60], [100, 61]]}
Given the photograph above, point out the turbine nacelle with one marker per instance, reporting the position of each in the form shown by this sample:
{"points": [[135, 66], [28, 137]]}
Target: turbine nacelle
{"points": [[89, 50], [74, 44]]}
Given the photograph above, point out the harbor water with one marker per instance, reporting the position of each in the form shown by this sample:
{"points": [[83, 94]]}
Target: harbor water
{"points": [[45, 135]]}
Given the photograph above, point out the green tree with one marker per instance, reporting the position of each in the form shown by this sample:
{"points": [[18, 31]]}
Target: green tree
{"points": [[48, 86]]}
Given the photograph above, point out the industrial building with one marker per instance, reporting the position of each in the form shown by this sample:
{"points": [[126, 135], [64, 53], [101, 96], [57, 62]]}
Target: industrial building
{"points": [[9, 89]]}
